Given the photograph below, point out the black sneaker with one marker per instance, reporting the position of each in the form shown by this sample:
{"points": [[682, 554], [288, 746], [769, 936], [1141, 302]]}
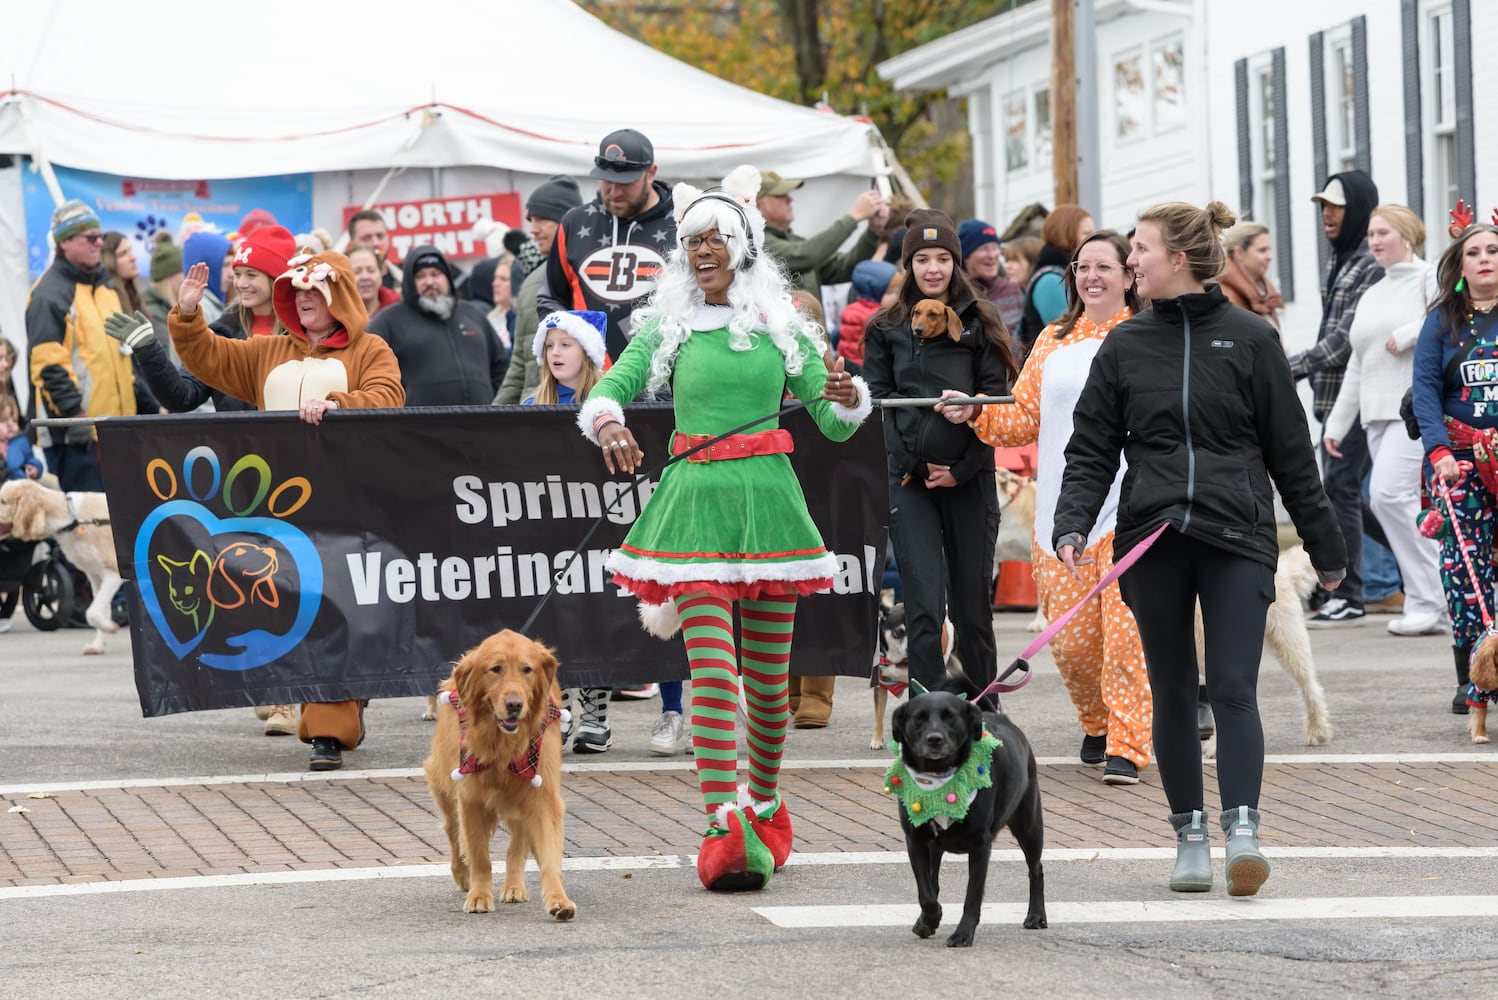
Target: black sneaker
{"points": [[1459, 701], [326, 754], [1120, 771], [1094, 749], [1337, 613]]}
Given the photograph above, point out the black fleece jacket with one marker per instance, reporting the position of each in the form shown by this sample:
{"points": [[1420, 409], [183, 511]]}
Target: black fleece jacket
{"points": [[1197, 396], [453, 362], [898, 363]]}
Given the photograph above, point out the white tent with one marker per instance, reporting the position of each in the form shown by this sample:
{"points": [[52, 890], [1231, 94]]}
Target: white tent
{"points": [[167, 90]]}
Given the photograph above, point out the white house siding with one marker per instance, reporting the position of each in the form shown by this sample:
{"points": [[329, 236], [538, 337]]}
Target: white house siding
{"points": [[1199, 160]]}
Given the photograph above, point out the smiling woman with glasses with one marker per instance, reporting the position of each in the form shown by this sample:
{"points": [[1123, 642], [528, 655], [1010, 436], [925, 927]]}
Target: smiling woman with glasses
{"points": [[1106, 679], [729, 525]]}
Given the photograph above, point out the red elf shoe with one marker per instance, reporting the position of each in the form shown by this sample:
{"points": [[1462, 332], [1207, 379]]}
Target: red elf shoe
{"points": [[732, 858], [772, 824]]}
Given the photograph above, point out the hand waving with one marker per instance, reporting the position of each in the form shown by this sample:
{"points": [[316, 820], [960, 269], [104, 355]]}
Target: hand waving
{"points": [[132, 331], [194, 284]]}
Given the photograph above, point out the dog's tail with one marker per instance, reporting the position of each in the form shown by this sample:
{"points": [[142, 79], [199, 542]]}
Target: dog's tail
{"points": [[660, 620]]}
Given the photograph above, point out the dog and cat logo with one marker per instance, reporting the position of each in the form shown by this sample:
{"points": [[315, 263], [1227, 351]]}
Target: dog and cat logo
{"points": [[233, 591]]}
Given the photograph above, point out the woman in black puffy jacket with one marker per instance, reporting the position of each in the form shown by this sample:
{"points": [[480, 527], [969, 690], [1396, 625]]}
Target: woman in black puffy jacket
{"points": [[1197, 396], [944, 507]]}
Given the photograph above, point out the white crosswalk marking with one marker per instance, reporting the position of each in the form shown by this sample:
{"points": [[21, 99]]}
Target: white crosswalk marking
{"points": [[1124, 911]]}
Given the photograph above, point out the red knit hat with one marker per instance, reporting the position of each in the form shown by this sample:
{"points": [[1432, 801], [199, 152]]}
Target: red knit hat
{"points": [[266, 250]]}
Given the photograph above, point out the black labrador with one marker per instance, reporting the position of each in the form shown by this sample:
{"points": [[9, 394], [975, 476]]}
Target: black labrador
{"points": [[936, 732]]}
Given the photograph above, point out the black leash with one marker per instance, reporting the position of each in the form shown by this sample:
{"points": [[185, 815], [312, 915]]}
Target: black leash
{"points": [[640, 477]]}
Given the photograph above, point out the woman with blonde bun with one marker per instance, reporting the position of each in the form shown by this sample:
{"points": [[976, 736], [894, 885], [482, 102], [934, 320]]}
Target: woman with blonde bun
{"points": [[1196, 395]]}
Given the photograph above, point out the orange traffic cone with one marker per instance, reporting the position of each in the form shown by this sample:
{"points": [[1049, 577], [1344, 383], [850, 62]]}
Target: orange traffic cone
{"points": [[1015, 590]]}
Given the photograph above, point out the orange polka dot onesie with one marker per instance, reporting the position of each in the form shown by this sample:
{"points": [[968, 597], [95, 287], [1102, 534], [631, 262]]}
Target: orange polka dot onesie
{"points": [[1098, 653]]}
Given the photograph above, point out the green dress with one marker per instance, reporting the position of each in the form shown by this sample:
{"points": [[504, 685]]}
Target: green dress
{"points": [[736, 528]]}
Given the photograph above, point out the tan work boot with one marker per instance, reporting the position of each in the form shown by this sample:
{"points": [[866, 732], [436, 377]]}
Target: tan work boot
{"points": [[815, 707], [281, 721], [793, 693]]}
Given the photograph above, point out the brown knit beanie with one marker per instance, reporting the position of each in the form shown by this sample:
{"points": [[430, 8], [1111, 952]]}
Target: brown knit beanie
{"points": [[926, 229]]}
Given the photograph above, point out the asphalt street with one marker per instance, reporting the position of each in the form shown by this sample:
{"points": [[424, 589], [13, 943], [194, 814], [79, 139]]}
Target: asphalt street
{"points": [[1350, 908]]}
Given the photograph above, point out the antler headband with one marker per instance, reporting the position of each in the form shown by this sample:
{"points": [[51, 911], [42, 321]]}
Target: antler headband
{"points": [[1463, 216]]}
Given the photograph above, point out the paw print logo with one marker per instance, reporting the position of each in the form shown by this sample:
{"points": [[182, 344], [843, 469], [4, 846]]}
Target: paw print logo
{"points": [[147, 225], [241, 588]]}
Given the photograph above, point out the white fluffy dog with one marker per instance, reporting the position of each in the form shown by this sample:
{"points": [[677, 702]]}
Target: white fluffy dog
{"points": [[1288, 640], [80, 524]]}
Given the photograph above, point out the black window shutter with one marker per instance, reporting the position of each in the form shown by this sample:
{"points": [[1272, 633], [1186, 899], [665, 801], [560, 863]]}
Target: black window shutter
{"points": [[1466, 157], [1318, 127], [1361, 126], [1245, 141], [1414, 149], [1284, 258]]}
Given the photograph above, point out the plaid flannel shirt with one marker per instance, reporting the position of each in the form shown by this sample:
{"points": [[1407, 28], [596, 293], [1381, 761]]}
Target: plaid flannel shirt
{"points": [[1326, 362]]}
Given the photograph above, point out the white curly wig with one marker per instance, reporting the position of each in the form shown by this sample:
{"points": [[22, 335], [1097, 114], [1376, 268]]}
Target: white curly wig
{"points": [[759, 297]]}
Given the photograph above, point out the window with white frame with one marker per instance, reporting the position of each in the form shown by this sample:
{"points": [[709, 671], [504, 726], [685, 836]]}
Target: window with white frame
{"points": [[1130, 96], [1341, 113], [1016, 136], [1041, 101], [1262, 101], [1439, 87], [1168, 68]]}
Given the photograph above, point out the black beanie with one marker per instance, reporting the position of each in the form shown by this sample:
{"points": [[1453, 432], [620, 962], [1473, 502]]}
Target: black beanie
{"points": [[554, 198], [928, 228]]}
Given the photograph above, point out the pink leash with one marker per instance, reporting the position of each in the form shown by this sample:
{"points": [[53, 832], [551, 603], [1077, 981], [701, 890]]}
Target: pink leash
{"points": [[1039, 642]]}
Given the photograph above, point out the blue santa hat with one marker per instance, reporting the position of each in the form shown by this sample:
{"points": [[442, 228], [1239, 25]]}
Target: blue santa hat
{"points": [[585, 326]]}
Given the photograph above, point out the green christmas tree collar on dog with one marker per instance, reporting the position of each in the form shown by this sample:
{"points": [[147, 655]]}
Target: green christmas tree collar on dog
{"points": [[926, 797]]}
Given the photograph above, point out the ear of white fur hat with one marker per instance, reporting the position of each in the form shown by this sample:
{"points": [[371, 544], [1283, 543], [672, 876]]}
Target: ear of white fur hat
{"points": [[741, 184]]}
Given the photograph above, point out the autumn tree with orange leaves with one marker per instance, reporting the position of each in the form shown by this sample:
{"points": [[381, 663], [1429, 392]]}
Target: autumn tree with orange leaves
{"points": [[809, 51]]}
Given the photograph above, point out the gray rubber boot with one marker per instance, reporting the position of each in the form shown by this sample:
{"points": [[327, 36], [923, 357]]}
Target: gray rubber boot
{"points": [[1193, 870], [1247, 867]]}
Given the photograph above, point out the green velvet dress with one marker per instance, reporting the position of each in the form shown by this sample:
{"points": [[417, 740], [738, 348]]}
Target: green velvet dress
{"points": [[735, 528]]}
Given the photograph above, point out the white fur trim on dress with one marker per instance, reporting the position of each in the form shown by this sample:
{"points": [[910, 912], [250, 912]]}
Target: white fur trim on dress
{"points": [[593, 408], [667, 573], [585, 333], [859, 412], [660, 620]]}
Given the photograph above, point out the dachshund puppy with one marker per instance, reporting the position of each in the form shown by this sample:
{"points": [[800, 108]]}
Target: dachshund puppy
{"points": [[930, 318]]}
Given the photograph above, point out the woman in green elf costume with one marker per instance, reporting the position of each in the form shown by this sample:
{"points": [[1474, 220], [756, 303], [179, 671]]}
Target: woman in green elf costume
{"points": [[730, 524]]}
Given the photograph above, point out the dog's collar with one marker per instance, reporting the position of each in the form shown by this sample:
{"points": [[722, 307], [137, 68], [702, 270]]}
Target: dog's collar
{"points": [[78, 524], [896, 688], [926, 797], [523, 765]]}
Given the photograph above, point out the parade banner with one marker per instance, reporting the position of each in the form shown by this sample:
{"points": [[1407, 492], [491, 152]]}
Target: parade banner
{"points": [[138, 206], [445, 223], [274, 562]]}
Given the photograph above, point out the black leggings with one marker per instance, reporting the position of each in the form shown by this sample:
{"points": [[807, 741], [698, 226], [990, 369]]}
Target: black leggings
{"points": [[944, 542], [1235, 594]]}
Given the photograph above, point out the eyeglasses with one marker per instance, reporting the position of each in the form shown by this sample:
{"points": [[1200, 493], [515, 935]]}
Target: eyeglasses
{"points": [[94, 238], [717, 241], [1103, 270]]}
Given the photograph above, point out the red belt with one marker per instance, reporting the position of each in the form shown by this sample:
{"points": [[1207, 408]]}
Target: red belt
{"points": [[1484, 445], [777, 442]]}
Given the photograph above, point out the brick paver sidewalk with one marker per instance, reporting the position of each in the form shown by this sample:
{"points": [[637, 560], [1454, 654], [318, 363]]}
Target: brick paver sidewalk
{"points": [[155, 832]]}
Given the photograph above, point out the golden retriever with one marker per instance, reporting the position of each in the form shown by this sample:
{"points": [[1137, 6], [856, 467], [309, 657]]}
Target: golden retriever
{"points": [[930, 318], [80, 524], [505, 688]]}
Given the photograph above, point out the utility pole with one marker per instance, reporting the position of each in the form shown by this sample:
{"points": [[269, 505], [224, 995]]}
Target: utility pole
{"points": [[1063, 102]]}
